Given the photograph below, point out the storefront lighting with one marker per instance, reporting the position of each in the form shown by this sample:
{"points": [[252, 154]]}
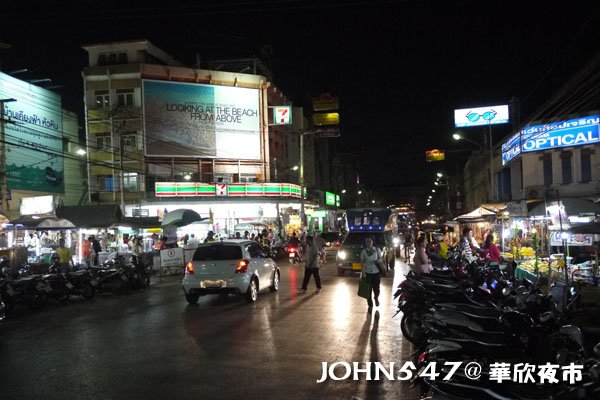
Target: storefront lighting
{"points": [[439, 174], [81, 152], [373, 201], [187, 177], [564, 235], [505, 213], [343, 191], [432, 190]]}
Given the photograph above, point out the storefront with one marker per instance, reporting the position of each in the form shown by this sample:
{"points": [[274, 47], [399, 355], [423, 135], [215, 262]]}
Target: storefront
{"points": [[228, 207]]}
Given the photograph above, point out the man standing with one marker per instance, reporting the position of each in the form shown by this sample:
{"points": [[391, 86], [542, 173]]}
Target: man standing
{"points": [[467, 244], [65, 256], [96, 248], [311, 267]]}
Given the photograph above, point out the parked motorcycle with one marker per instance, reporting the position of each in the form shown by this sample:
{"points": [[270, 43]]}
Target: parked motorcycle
{"points": [[30, 291], [79, 283], [110, 277]]}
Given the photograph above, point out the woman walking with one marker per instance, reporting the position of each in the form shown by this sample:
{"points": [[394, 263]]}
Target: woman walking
{"points": [[369, 257]]}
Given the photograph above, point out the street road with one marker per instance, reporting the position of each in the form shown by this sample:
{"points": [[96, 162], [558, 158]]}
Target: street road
{"points": [[153, 345]]}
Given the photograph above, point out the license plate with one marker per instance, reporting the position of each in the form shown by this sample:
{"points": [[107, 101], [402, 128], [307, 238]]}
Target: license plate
{"points": [[212, 284], [93, 282], [292, 255], [124, 278], [357, 266], [69, 285]]}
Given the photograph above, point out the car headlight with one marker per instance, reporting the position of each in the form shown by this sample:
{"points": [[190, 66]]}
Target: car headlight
{"points": [[342, 254]]}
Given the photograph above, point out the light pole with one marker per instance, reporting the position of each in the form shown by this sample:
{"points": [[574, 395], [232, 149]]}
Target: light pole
{"points": [[457, 136]]}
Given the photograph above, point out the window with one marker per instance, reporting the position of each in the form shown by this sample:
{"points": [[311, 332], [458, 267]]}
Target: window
{"points": [[112, 58], [130, 181], [102, 98], [247, 178], [125, 97], [218, 252], [104, 143], [129, 141], [586, 167], [105, 183], [256, 251], [567, 173], [65, 145], [547, 166]]}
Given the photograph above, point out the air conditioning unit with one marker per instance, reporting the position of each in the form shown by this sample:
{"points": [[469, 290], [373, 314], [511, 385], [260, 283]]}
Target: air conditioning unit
{"points": [[535, 192]]}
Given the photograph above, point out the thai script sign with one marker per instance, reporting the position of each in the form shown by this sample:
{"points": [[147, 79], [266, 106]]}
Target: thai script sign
{"points": [[573, 132], [33, 136]]}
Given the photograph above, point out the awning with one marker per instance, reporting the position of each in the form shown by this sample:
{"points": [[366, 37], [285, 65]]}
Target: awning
{"points": [[138, 222], [572, 207], [181, 217], [43, 223], [479, 213], [92, 216], [589, 229]]}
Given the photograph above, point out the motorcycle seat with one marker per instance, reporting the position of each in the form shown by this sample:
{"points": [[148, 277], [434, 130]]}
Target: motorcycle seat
{"points": [[446, 287], [446, 313], [461, 322], [467, 309], [79, 273]]}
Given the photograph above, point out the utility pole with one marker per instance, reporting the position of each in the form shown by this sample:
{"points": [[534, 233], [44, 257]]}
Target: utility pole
{"points": [[492, 195], [4, 186]]}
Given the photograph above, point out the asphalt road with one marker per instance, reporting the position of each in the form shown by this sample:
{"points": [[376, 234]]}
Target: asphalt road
{"points": [[153, 345]]}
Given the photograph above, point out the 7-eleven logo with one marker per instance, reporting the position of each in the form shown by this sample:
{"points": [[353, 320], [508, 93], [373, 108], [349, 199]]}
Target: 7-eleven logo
{"points": [[282, 115]]}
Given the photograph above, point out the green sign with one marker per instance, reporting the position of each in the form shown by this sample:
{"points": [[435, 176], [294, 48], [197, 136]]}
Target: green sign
{"points": [[337, 200], [329, 199], [34, 140]]}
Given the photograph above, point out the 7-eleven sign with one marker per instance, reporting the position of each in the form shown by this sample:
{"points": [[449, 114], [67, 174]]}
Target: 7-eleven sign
{"points": [[282, 115]]}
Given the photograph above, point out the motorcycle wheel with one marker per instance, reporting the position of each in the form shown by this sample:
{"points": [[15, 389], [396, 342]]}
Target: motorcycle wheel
{"points": [[36, 300], [118, 287], [412, 328], [136, 283], [87, 290]]}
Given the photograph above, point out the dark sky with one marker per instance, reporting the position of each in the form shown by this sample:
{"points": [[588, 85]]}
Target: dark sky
{"points": [[399, 67]]}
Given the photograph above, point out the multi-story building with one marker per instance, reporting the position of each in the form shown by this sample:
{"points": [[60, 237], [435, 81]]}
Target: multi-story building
{"points": [[162, 136]]}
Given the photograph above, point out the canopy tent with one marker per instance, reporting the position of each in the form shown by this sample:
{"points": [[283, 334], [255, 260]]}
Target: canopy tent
{"points": [[42, 223], [479, 214], [138, 222], [571, 206], [181, 217]]}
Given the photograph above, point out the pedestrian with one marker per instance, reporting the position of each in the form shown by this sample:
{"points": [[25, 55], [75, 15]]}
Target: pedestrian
{"points": [[96, 248], [422, 263], [311, 266], [490, 250], [467, 243], [210, 237], [369, 258], [65, 256], [238, 235]]}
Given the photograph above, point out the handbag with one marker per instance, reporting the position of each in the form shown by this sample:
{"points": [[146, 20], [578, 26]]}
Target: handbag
{"points": [[381, 268], [364, 288]]}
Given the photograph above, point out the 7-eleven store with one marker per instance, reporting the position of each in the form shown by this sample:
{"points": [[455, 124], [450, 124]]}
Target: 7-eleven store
{"points": [[230, 206]]}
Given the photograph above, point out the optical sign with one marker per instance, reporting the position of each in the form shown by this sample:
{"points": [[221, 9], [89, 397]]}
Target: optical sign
{"points": [[282, 115], [479, 116]]}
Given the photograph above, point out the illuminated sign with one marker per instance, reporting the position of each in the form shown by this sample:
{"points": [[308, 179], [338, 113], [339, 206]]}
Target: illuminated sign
{"points": [[195, 189], [325, 102], [332, 118], [33, 138], [191, 119], [329, 199], [573, 132], [491, 115], [282, 115], [435, 155], [38, 205], [337, 200]]}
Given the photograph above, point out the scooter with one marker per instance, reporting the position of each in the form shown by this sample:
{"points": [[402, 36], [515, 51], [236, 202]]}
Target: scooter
{"points": [[294, 255]]}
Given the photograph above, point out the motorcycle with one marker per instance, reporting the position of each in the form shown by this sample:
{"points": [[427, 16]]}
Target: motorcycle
{"points": [[294, 255], [111, 277], [29, 290], [77, 282]]}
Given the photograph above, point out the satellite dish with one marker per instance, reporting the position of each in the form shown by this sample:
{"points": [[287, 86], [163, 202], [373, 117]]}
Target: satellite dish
{"points": [[267, 50]]}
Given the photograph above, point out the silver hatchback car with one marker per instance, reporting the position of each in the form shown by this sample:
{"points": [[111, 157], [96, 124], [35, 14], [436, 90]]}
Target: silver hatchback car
{"points": [[230, 266]]}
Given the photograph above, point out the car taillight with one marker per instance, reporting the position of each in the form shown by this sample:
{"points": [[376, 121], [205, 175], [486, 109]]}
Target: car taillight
{"points": [[242, 267], [189, 268]]}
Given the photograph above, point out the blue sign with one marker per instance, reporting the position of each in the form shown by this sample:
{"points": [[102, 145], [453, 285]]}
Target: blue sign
{"points": [[573, 132]]}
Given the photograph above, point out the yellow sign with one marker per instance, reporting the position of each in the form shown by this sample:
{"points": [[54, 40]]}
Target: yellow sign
{"points": [[326, 118], [435, 155], [325, 102]]}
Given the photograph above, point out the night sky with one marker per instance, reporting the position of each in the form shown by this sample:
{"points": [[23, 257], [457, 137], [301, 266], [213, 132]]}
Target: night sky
{"points": [[399, 67]]}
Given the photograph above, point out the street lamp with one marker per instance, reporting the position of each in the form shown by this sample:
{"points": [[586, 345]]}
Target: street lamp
{"points": [[343, 191], [457, 136], [360, 192], [439, 175]]}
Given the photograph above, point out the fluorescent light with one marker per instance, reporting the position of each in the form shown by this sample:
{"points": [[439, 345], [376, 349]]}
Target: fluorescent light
{"points": [[81, 152]]}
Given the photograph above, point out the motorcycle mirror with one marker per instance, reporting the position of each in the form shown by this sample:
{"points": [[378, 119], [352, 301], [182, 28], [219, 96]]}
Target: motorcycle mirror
{"points": [[561, 356], [595, 372], [505, 291], [597, 350], [573, 332]]}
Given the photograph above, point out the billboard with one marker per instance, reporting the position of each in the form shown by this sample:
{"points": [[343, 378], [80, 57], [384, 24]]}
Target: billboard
{"points": [[435, 155], [34, 147], [572, 132], [479, 116], [196, 120]]}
